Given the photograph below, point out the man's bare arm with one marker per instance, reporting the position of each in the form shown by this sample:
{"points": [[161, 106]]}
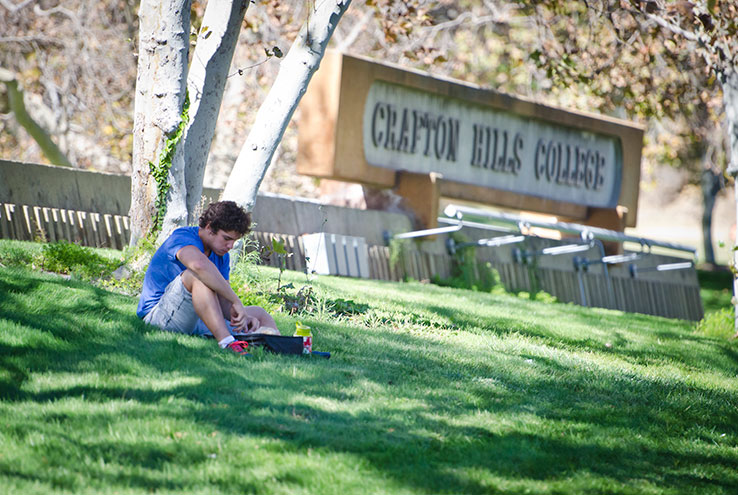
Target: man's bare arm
{"points": [[207, 273]]}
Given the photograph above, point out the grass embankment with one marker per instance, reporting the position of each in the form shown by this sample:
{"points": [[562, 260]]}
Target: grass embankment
{"points": [[716, 289], [429, 390]]}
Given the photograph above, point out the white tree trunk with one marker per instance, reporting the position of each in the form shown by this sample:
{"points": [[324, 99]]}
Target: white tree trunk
{"points": [[730, 99], [276, 111], [206, 82], [160, 92]]}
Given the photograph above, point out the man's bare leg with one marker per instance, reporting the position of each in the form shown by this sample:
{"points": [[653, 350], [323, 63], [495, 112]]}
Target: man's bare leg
{"points": [[207, 305], [265, 319]]}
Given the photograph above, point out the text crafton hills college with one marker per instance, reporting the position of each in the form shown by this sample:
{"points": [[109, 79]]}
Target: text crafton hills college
{"points": [[411, 130]]}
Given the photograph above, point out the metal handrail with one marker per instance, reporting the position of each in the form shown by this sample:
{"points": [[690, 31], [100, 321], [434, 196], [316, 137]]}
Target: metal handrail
{"points": [[664, 267], [475, 225], [429, 232], [606, 235], [502, 240], [515, 225]]}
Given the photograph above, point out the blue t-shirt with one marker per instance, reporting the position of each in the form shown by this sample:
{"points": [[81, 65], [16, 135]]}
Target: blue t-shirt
{"points": [[165, 266]]}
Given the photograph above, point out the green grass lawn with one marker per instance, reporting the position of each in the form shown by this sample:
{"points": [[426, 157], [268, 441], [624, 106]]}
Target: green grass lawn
{"points": [[428, 390], [716, 289]]}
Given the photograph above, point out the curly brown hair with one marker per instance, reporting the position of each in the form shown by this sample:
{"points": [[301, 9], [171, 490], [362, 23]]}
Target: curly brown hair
{"points": [[226, 215]]}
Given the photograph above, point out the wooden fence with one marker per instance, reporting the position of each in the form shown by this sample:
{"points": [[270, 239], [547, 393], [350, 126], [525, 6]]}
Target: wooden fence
{"points": [[45, 224]]}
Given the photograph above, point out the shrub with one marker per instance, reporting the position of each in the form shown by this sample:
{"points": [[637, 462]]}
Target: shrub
{"points": [[13, 254], [467, 272], [718, 324], [67, 258]]}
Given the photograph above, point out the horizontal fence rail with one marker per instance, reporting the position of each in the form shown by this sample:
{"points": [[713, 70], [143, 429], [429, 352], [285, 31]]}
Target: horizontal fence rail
{"points": [[455, 212]]}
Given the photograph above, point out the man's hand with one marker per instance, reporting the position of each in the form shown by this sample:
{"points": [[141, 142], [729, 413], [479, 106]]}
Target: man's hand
{"points": [[253, 324], [241, 321]]}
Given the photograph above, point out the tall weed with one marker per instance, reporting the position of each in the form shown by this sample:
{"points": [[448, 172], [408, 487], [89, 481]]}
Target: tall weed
{"points": [[718, 324]]}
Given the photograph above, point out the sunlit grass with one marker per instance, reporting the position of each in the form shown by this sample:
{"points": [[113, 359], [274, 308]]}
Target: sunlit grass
{"points": [[428, 390]]}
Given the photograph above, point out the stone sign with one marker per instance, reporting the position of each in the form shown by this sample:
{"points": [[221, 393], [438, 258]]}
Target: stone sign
{"points": [[410, 130], [428, 137]]}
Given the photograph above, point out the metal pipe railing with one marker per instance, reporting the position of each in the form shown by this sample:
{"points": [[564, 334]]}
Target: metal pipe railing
{"points": [[664, 267], [429, 232], [563, 227], [502, 240], [515, 226], [475, 225]]}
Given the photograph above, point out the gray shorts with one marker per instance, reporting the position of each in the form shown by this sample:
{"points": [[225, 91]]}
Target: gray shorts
{"points": [[175, 313]]}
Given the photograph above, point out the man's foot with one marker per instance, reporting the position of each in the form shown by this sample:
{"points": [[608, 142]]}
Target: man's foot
{"points": [[239, 347]]}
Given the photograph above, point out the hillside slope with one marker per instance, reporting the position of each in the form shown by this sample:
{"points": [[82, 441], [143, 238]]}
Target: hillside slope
{"points": [[428, 390]]}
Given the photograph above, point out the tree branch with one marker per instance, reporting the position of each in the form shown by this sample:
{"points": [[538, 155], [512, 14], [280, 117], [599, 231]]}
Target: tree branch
{"points": [[673, 28], [30, 39], [295, 72], [58, 10], [38, 133], [14, 7], [356, 30]]}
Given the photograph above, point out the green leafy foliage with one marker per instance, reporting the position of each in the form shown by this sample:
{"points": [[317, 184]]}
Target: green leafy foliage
{"points": [[160, 171], [251, 286], [467, 272], [93, 265], [397, 249], [278, 249], [540, 296], [246, 279], [715, 289], [308, 301], [68, 258], [15, 254], [258, 298], [719, 324], [342, 306]]}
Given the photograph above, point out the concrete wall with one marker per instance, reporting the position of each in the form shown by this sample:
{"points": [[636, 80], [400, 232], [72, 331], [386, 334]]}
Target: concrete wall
{"points": [[81, 190], [297, 216], [60, 187]]}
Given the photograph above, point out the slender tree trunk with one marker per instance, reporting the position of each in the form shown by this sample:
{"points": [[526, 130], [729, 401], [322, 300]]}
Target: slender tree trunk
{"points": [[205, 83], [730, 97], [18, 107], [275, 113], [710, 184], [164, 33]]}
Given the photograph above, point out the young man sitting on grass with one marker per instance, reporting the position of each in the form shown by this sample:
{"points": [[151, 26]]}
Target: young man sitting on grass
{"points": [[186, 286]]}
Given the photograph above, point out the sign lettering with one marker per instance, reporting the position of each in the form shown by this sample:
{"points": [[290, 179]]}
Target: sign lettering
{"points": [[411, 130]]}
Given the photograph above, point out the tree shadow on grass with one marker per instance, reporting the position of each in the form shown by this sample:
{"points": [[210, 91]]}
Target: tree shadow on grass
{"points": [[422, 439], [435, 452]]}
